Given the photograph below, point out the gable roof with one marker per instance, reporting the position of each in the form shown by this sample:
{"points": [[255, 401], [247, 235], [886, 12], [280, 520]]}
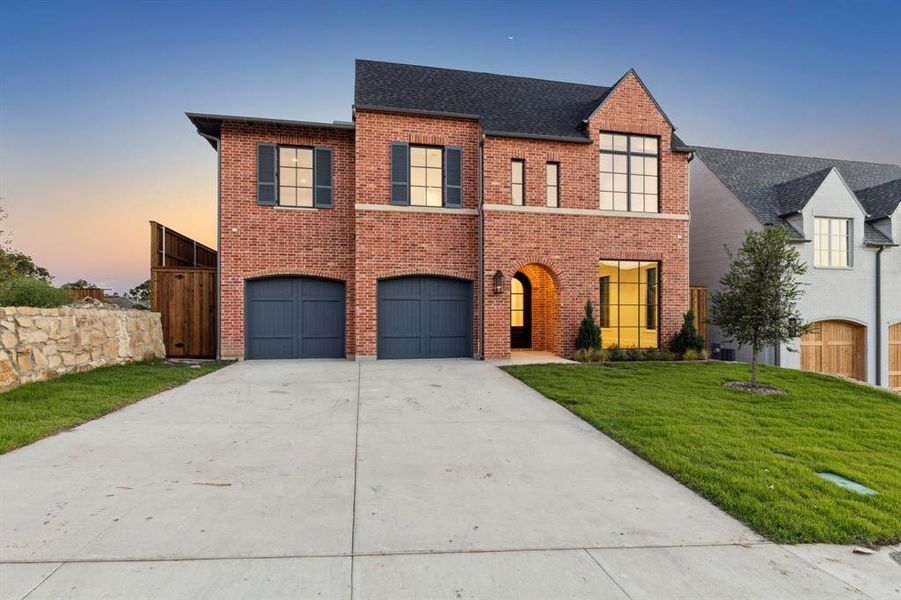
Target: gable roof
{"points": [[793, 195], [506, 105], [756, 179], [881, 200]]}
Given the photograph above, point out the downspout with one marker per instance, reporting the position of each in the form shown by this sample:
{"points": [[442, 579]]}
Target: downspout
{"points": [[218, 144], [481, 282], [879, 315]]}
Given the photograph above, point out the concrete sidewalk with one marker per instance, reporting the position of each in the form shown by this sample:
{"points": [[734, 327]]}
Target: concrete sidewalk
{"points": [[389, 479]]}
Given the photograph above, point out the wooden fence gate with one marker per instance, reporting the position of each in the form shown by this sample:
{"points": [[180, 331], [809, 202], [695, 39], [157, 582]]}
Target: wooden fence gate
{"points": [[183, 291]]}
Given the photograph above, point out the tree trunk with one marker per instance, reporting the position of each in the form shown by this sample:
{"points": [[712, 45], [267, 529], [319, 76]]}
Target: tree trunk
{"points": [[754, 367]]}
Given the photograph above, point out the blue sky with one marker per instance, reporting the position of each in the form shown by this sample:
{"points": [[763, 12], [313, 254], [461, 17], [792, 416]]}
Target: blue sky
{"points": [[94, 142]]}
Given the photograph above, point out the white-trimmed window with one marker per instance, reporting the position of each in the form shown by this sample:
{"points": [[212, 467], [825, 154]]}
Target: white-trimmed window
{"points": [[295, 176], [426, 176], [518, 181], [629, 174], [552, 184], [831, 242]]}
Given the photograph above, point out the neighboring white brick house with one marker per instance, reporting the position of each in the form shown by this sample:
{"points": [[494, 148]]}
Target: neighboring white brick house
{"points": [[734, 191]]}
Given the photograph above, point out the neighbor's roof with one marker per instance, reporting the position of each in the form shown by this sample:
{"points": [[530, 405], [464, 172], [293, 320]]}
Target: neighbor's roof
{"points": [[506, 105], [774, 185]]}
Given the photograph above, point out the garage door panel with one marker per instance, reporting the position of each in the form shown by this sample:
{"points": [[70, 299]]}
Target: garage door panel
{"points": [[295, 317], [268, 318], [424, 317], [271, 288], [322, 318], [444, 318]]}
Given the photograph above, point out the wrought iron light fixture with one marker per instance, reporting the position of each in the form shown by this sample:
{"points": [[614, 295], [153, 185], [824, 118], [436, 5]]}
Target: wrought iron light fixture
{"points": [[498, 282]]}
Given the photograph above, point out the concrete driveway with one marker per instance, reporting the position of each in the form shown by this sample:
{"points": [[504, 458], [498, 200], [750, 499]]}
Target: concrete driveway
{"points": [[395, 479]]}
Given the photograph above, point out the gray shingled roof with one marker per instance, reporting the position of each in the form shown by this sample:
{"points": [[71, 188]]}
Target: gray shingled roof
{"points": [[874, 237], [881, 200], [505, 104], [793, 195], [755, 178]]}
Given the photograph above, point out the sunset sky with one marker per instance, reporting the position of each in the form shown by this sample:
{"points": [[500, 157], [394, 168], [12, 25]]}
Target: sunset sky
{"points": [[94, 142]]}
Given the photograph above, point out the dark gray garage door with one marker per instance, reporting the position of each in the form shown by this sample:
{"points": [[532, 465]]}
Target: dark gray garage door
{"points": [[295, 317], [424, 317]]}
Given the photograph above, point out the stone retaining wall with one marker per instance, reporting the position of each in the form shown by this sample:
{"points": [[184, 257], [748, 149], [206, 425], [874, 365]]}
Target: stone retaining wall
{"points": [[40, 343]]}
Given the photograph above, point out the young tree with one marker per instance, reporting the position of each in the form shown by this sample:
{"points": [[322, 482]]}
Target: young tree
{"points": [[589, 336], [688, 337], [756, 304], [140, 293]]}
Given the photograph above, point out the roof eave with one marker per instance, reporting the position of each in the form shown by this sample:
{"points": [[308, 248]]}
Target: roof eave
{"points": [[538, 136], [210, 125], [414, 111]]}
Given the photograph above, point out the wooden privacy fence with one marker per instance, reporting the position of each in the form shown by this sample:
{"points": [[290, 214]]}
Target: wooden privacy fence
{"points": [[183, 291], [699, 309]]}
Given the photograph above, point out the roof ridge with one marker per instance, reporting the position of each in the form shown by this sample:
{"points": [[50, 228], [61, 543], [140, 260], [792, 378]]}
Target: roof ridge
{"points": [[811, 174], [863, 162], [388, 62]]}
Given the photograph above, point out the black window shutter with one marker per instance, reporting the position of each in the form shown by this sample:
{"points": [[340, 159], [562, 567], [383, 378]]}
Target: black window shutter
{"points": [[453, 176], [400, 173], [322, 177], [266, 166]]}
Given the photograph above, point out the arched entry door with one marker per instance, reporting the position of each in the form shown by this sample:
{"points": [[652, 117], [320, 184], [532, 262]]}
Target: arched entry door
{"points": [[520, 312]]}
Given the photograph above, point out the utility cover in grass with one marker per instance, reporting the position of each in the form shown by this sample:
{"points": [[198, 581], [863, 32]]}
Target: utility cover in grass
{"points": [[847, 483]]}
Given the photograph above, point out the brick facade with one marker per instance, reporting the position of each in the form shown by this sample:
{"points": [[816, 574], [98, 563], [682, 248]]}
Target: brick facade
{"points": [[364, 238]]}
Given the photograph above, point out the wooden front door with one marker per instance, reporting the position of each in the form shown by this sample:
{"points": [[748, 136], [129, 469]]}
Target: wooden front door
{"points": [[894, 356], [520, 312], [836, 347]]}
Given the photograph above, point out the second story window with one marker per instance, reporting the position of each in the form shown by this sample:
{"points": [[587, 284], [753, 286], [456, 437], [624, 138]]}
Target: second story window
{"points": [[518, 181], [629, 173], [426, 176], [295, 176], [552, 184], [831, 242]]}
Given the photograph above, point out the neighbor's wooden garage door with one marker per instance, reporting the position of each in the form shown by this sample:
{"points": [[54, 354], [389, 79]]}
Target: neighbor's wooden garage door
{"points": [[894, 356], [836, 347]]}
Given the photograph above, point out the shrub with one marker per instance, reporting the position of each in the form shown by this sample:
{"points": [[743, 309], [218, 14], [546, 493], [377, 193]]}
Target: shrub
{"points": [[589, 335], [634, 354], [691, 354], [616, 353], [600, 355], [687, 338], [27, 291], [667, 356], [582, 355]]}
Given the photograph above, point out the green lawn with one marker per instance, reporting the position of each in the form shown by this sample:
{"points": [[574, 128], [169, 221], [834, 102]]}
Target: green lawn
{"points": [[36, 410], [723, 443]]}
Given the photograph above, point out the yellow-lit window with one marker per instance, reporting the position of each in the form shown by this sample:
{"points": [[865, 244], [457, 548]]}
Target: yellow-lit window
{"points": [[831, 242], [295, 176], [517, 181], [552, 184], [426, 176], [629, 300], [629, 177], [517, 314]]}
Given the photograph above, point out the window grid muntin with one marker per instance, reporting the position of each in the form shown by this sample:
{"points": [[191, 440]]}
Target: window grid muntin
{"points": [[430, 192], [621, 173], [552, 184], [518, 181], [832, 242], [292, 190], [641, 308]]}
